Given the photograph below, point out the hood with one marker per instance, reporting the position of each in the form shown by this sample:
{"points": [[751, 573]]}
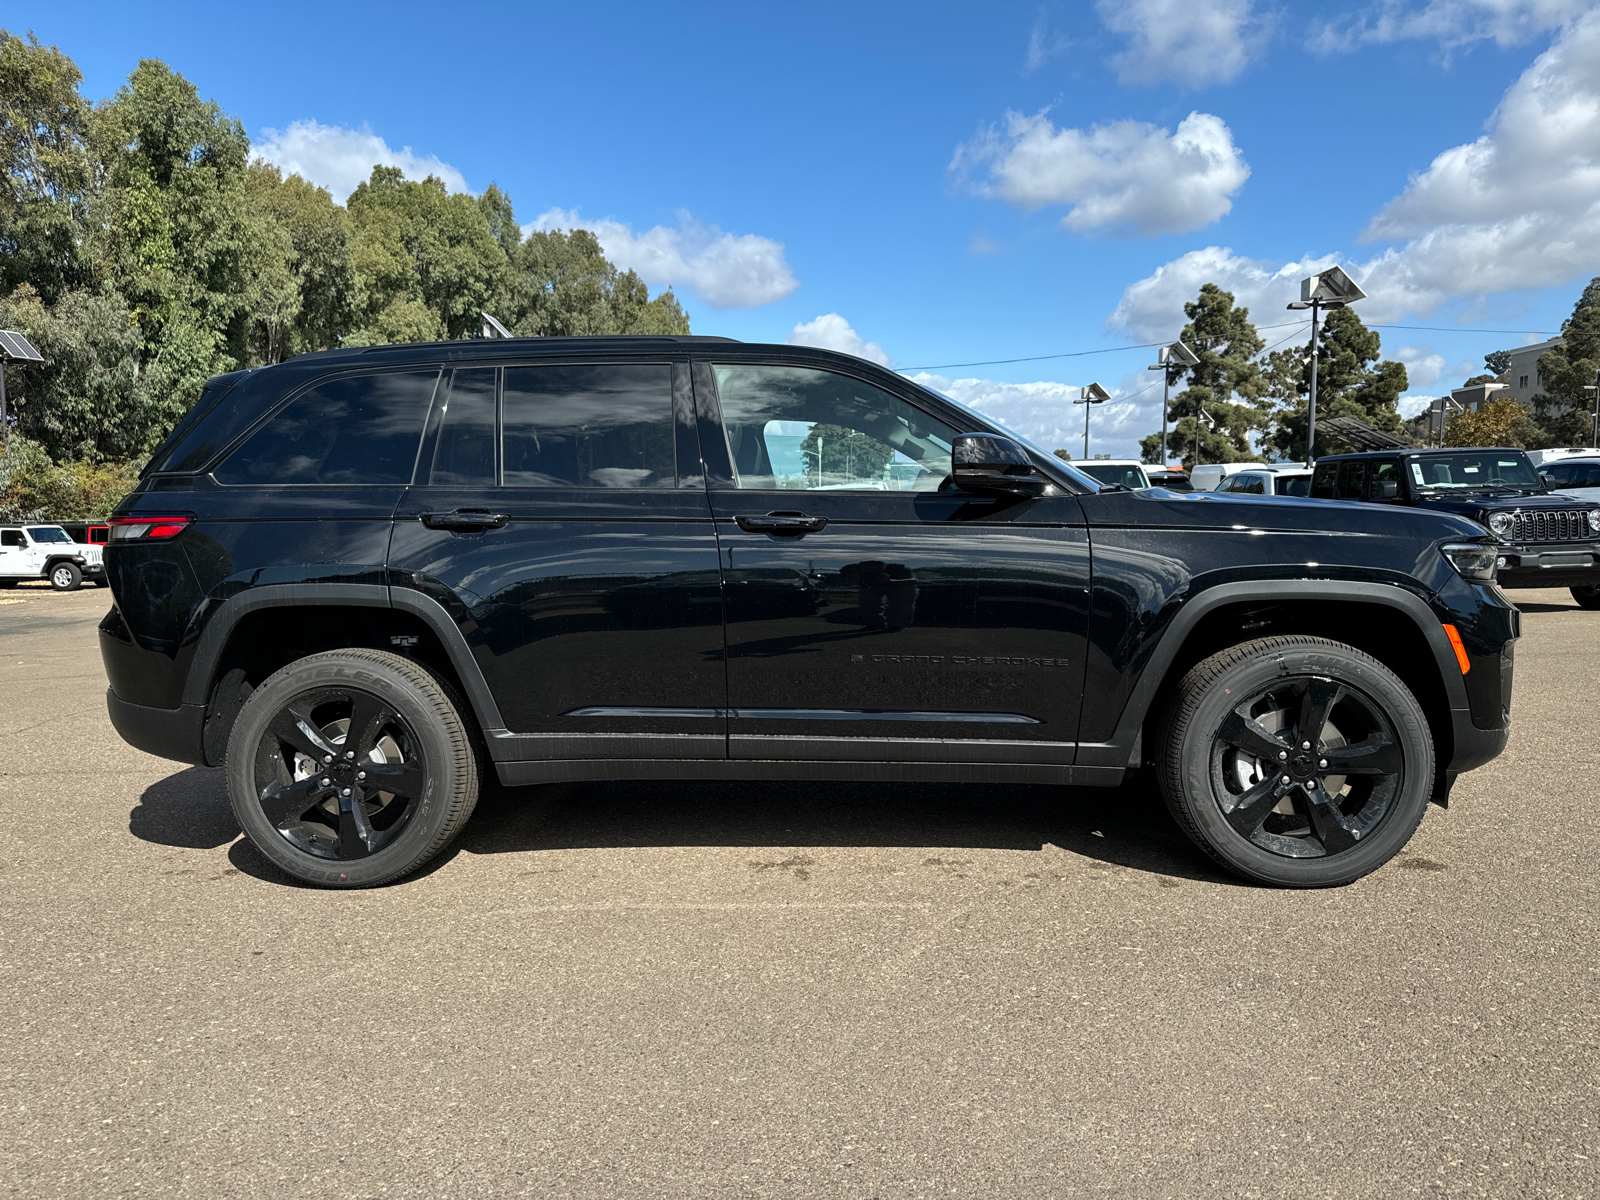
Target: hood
{"points": [[90, 552], [1480, 506]]}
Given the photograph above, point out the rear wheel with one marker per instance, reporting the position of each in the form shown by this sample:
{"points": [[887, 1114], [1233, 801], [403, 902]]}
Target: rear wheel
{"points": [[1296, 761], [352, 768], [65, 577], [1587, 597]]}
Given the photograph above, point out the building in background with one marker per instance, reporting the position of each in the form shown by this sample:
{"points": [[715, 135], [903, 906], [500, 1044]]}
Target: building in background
{"points": [[1522, 377]]}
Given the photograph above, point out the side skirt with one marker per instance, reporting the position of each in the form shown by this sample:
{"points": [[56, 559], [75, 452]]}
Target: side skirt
{"points": [[570, 770]]}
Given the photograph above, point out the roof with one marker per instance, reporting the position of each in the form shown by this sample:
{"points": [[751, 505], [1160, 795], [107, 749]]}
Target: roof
{"points": [[1419, 452], [638, 343]]}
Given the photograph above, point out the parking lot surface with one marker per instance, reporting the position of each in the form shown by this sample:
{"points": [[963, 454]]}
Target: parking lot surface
{"points": [[730, 990]]}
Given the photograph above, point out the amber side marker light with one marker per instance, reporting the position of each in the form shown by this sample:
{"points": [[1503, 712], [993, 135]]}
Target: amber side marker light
{"points": [[1454, 635]]}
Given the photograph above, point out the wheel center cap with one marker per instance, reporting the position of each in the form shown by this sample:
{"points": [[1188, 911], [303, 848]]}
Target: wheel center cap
{"points": [[1302, 766]]}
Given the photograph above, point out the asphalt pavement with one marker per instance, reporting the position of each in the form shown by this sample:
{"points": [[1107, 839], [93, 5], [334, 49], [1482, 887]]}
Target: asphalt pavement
{"points": [[790, 990]]}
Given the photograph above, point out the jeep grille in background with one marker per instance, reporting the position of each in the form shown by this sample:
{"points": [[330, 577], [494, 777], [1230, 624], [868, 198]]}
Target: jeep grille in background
{"points": [[1569, 525]]}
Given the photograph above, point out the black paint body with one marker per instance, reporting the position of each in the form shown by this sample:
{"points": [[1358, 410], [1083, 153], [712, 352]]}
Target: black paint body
{"points": [[623, 632]]}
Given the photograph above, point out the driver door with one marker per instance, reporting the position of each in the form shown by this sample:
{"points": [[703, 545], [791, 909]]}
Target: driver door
{"points": [[873, 612]]}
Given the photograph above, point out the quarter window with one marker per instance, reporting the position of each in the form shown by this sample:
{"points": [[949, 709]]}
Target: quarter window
{"points": [[12, 537], [1322, 480], [795, 428], [359, 429], [465, 450], [589, 426]]}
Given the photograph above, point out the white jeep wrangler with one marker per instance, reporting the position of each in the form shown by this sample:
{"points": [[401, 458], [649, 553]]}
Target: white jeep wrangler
{"points": [[48, 552]]}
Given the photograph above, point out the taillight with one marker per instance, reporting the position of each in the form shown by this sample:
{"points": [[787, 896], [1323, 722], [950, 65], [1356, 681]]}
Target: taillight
{"points": [[147, 527]]}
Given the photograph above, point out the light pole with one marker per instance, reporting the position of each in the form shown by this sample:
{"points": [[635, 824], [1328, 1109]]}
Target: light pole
{"points": [[1331, 289], [13, 347], [1173, 358], [1089, 397], [1588, 387]]}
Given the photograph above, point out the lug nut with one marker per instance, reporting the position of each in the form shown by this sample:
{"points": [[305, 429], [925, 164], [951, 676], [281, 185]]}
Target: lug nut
{"points": [[1305, 745], [1286, 779], [327, 758], [352, 753], [1322, 762], [346, 792], [326, 782], [1282, 754], [363, 774]]}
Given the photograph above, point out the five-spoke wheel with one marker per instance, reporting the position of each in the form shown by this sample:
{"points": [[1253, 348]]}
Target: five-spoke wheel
{"points": [[1297, 761], [351, 768]]}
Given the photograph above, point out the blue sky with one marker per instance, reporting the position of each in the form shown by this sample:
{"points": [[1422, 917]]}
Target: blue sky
{"points": [[934, 184]]}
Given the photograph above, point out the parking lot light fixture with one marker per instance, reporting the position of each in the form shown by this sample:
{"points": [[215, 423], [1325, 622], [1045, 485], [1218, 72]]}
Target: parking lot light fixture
{"points": [[1088, 397], [1172, 359], [1588, 387], [1329, 289]]}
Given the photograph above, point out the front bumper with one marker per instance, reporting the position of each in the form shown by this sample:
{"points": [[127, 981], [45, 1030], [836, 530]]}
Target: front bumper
{"points": [[1558, 564]]}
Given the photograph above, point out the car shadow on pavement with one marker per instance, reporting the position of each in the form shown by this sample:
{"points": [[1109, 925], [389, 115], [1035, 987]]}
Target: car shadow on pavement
{"points": [[1123, 827], [1127, 826], [189, 809]]}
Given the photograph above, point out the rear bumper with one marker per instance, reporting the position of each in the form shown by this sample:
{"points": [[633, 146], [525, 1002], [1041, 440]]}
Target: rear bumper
{"points": [[173, 733]]}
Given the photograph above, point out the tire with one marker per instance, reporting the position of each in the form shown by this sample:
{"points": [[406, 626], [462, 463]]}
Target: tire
{"points": [[65, 577], [7, 583], [1353, 799], [1587, 597], [408, 731]]}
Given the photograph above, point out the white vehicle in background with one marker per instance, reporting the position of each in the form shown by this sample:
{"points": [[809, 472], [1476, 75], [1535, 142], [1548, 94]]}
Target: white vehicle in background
{"points": [[1129, 472], [47, 552], [1543, 458], [1273, 479], [1207, 476], [1572, 476]]}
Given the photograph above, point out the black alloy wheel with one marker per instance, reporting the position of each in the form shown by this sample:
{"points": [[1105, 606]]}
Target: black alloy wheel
{"points": [[1296, 761], [1587, 597], [338, 772], [351, 768]]}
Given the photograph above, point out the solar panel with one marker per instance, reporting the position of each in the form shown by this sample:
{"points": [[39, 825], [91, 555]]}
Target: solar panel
{"points": [[14, 345]]}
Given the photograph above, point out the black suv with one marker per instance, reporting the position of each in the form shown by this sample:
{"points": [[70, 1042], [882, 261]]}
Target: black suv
{"points": [[361, 580], [1544, 540]]}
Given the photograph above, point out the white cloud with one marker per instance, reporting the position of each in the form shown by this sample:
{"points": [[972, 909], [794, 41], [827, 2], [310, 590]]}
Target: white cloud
{"points": [[1044, 412], [1125, 177], [1043, 43], [1452, 23], [726, 270], [1423, 366], [1189, 42], [1151, 310], [1410, 406], [338, 159], [832, 332]]}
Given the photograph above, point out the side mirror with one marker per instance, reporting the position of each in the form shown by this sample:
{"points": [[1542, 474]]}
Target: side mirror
{"points": [[993, 466], [1388, 490]]}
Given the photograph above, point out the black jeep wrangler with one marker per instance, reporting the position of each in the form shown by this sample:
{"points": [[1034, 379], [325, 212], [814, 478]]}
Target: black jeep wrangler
{"points": [[1543, 540], [360, 581]]}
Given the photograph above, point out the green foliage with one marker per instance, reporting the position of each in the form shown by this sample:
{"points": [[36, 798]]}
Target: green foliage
{"points": [[33, 488], [1498, 362], [1564, 410], [1351, 382], [848, 453], [1498, 423], [143, 252], [1212, 418]]}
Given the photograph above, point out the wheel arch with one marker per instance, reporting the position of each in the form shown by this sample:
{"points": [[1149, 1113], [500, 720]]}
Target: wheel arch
{"points": [[1388, 622], [257, 631]]}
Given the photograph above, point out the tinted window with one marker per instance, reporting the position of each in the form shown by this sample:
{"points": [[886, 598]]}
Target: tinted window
{"points": [[589, 426], [1294, 485], [1386, 470], [360, 429], [1585, 474], [1353, 480], [464, 453], [1559, 475], [1322, 480], [204, 429], [11, 537], [49, 533], [798, 428]]}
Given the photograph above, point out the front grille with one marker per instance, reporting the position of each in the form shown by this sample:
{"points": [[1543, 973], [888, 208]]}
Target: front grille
{"points": [[1559, 525]]}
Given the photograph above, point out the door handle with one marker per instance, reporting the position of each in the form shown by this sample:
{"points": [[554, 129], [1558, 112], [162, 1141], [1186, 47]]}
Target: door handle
{"points": [[789, 524], [465, 519]]}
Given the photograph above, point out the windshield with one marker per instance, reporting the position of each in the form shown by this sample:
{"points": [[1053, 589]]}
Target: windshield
{"points": [[1128, 476], [1476, 469], [1072, 469], [48, 533]]}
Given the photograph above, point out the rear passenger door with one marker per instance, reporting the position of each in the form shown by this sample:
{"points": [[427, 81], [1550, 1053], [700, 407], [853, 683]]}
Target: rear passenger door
{"points": [[560, 517]]}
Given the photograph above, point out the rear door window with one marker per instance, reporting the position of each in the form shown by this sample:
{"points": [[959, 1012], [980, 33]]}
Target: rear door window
{"points": [[1322, 480], [359, 429], [1353, 480], [464, 453], [589, 426]]}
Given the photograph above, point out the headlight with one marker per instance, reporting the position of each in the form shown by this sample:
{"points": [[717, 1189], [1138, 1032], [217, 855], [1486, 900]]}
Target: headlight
{"points": [[1476, 563], [1594, 520], [1500, 524]]}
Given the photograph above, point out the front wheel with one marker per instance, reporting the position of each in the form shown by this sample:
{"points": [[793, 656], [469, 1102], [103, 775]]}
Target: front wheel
{"points": [[351, 768], [65, 577], [1296, 761], [1587, 597]]}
